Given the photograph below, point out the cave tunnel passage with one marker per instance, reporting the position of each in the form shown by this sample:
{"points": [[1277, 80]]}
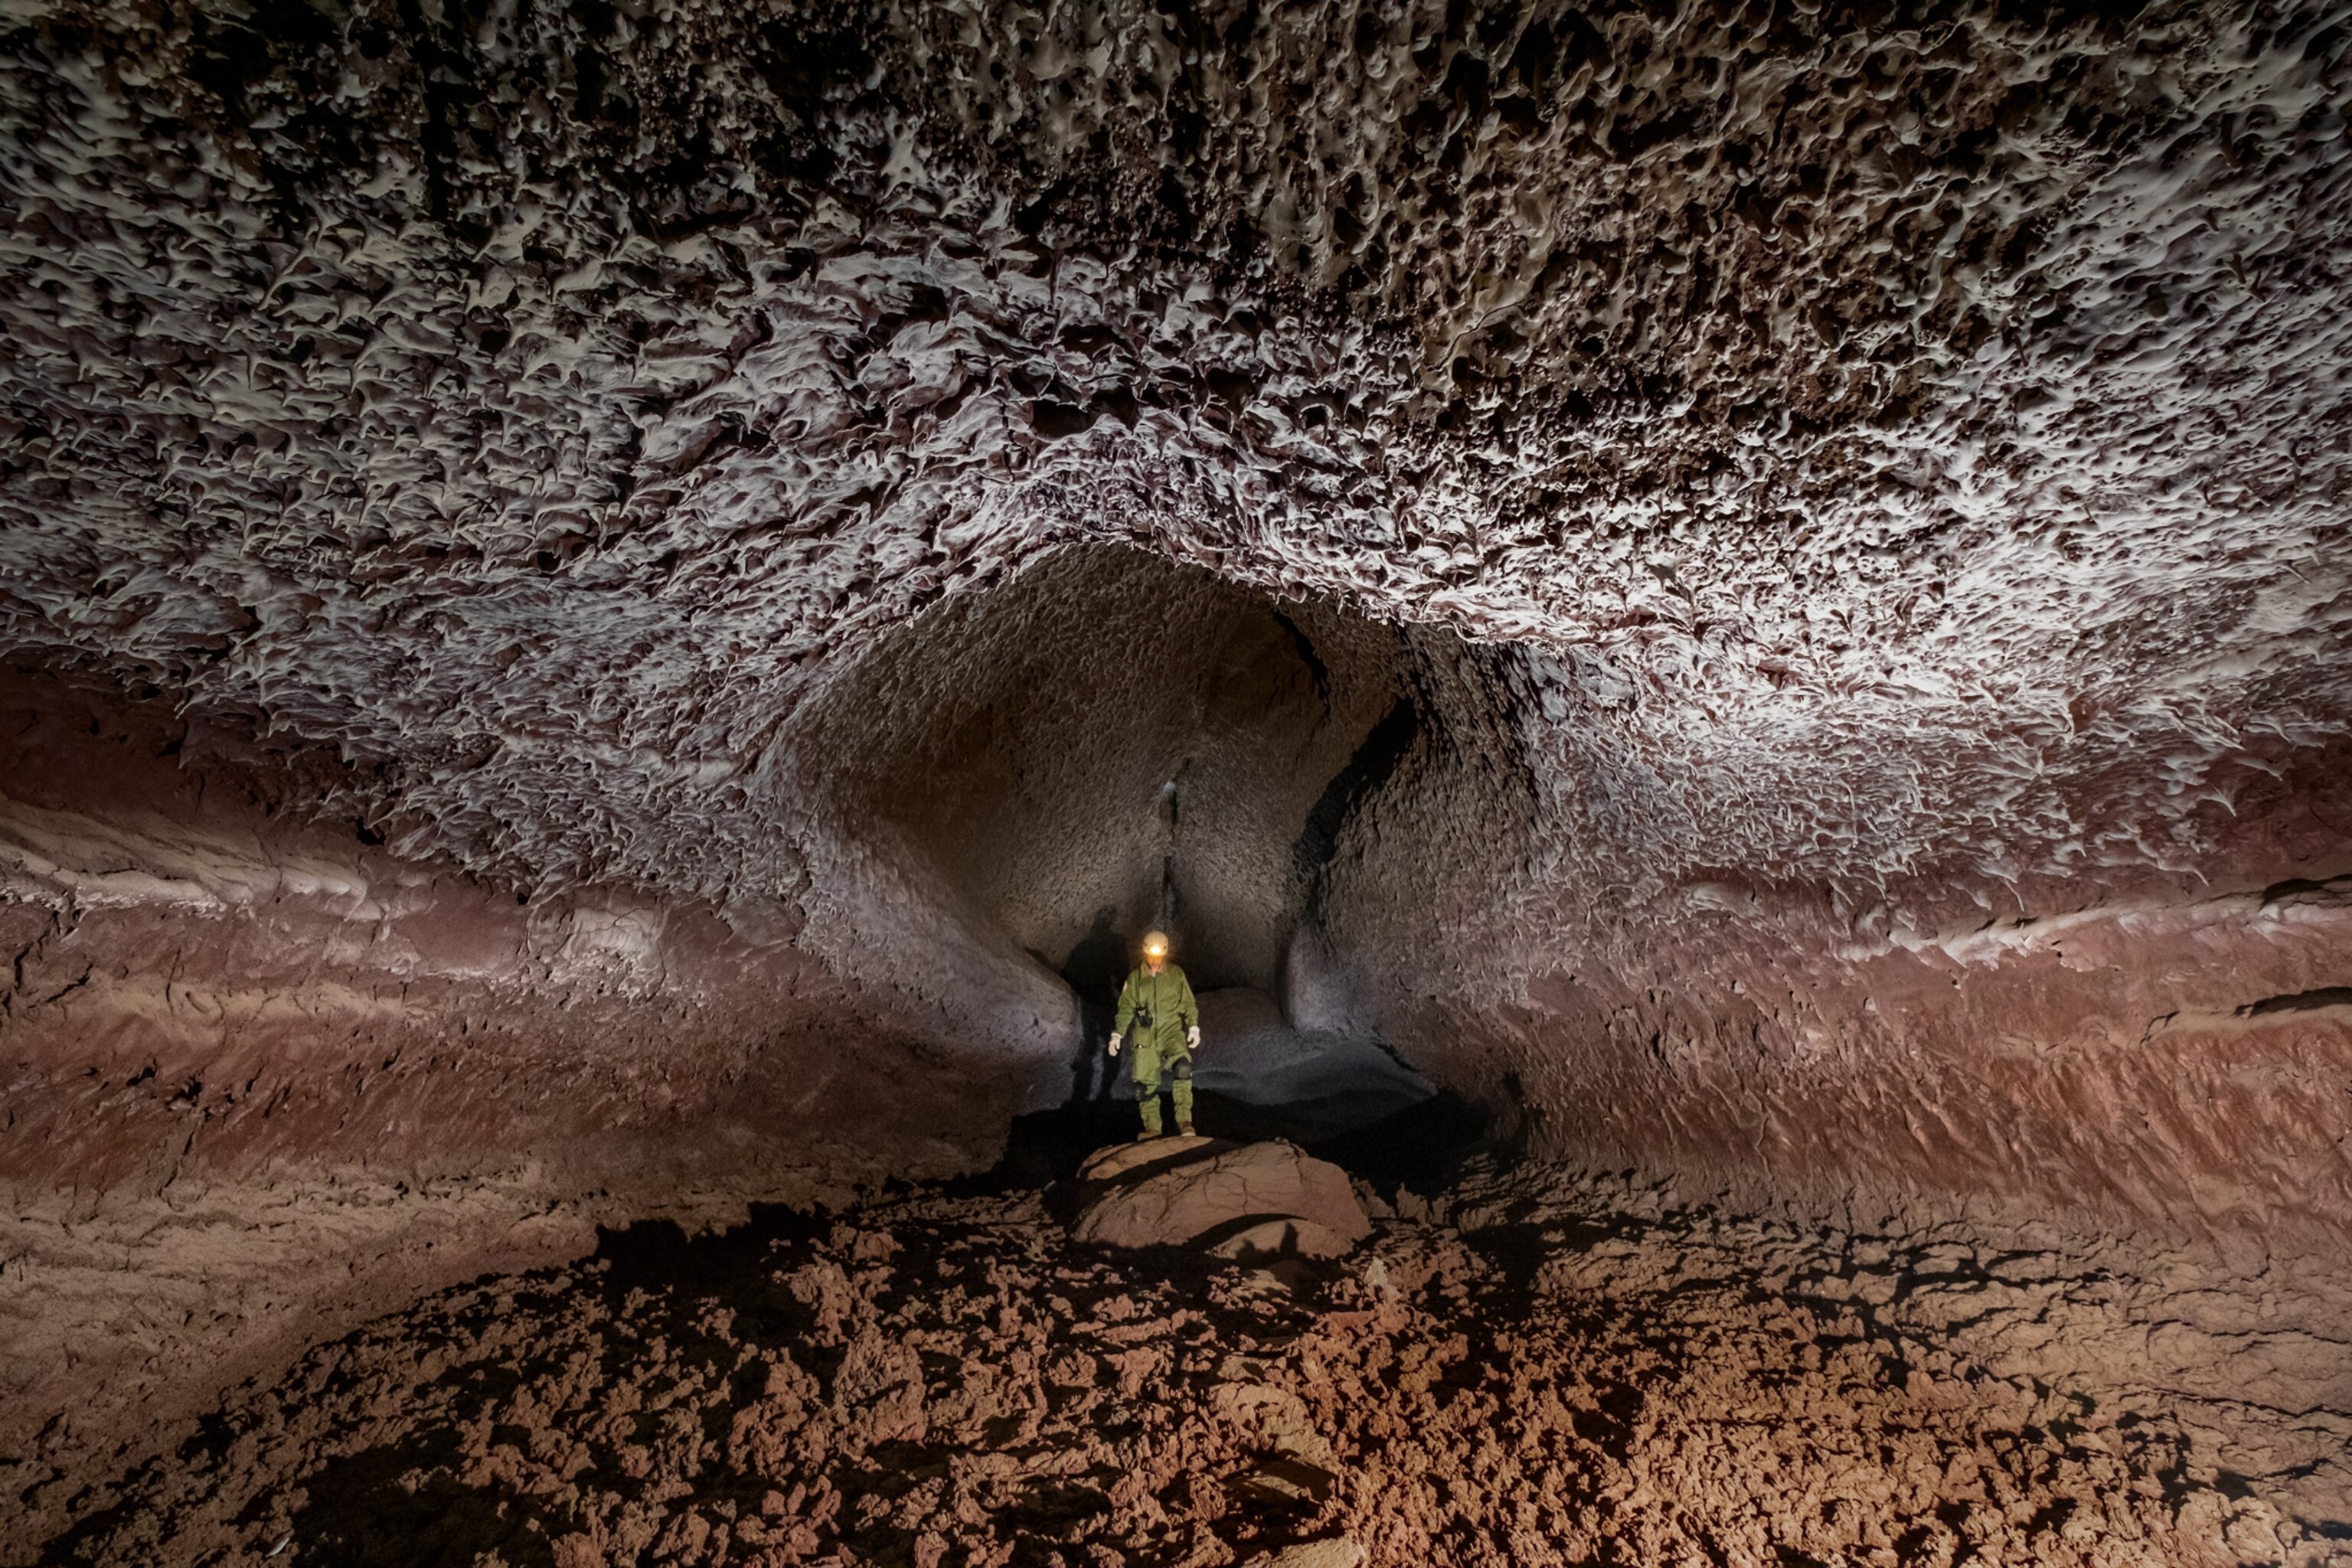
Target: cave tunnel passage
{"points": [[615, 616], [1112, 743]]}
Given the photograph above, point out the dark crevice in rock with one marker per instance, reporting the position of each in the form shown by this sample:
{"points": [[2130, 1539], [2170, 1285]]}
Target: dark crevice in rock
{"points": [[1383, 751], [2300, 1002]]}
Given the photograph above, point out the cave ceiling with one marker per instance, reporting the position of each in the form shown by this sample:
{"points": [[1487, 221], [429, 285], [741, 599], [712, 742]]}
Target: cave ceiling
{"points": [[1880, 442]]}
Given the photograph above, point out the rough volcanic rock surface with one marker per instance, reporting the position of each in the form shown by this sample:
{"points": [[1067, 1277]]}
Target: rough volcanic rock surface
{"points": [[603, 602], [264, 1080], [1331, 1082], [1542, 1370], [1175, 1191]]}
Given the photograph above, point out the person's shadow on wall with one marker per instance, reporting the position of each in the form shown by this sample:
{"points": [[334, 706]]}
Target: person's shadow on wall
{"points": [[1096, 968]]}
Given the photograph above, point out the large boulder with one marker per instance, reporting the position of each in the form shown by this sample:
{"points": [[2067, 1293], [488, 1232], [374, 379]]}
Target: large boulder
{"points": [[1237, 1199], [1337, 1553]]}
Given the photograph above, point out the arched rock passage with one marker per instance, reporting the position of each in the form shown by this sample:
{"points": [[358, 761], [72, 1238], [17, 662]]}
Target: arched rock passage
{"points": [[1109, 732], [1111, 741]]}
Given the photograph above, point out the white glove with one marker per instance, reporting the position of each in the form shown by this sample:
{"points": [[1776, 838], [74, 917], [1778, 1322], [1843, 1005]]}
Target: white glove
{"points": [[1192, 1038], [1114, 1044]]}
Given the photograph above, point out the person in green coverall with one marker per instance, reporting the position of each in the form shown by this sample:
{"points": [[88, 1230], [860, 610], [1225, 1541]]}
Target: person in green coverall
{"points": [[1156, 1005]]}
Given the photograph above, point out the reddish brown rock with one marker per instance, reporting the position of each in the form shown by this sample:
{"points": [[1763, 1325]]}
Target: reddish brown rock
{"points": [[1559, 1370], [602, 612], [1337, 1553], [1237, 1198]]}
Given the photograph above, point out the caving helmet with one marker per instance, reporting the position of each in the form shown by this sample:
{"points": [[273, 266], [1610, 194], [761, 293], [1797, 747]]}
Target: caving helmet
{"points": [[1155, 945]]}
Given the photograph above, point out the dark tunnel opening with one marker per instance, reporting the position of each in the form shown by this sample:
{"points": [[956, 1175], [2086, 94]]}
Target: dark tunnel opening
{"points": [[1110, 732], [1111, 742]]}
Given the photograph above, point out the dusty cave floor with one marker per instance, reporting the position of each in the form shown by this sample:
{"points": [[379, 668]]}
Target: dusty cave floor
{"points": [[1534, 1367]]}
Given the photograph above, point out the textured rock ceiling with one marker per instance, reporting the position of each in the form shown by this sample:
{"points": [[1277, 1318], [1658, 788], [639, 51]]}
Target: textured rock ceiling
{"points": [[1901, 442]]}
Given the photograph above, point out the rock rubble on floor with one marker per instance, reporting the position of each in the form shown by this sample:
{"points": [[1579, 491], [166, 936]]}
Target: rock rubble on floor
{"points": [[1540, 1370]]}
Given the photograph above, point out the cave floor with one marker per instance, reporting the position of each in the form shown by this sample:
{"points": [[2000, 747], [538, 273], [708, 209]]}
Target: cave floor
{"points": [[1532, 1367]]}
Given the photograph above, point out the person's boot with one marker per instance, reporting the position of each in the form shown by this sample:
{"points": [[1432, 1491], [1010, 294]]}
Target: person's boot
{"points": [[1185, 1129]]}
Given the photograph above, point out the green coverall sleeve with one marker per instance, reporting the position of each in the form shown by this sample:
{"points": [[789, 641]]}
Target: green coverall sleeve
{"points": [[1188, 1012], [1125, 1007]]}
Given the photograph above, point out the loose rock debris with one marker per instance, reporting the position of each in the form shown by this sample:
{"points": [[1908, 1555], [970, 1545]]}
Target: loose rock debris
{"points": [[1544, 1370]]}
